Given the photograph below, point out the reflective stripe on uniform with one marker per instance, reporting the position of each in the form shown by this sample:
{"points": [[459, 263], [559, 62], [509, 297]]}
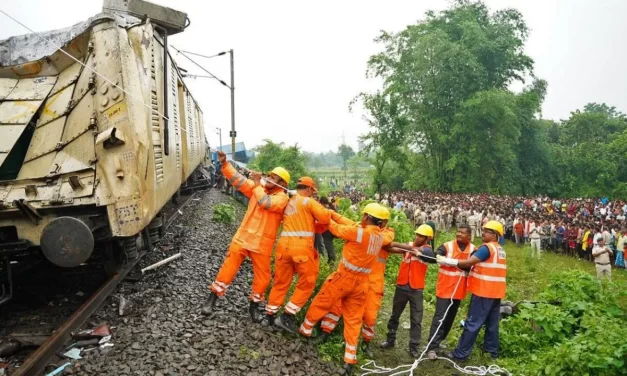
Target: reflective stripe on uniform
{"points": [[272, 308], [492, 265], [305, 200], [367, 332], [332, 317], [360, 234], [235, 177], [266, 201], [355, 268], [487, 277], [381, 260], [308, 323], [256, 298], [239, 183], [292, 308], [305, 330], [327, 324], [350, 356], [351, 347], [298, 233], [452, 274]]}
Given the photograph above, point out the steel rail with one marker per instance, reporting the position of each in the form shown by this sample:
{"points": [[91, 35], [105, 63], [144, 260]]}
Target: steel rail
{"points": [[38, 360]]}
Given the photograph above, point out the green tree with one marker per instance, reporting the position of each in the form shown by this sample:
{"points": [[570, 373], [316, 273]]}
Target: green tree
{"points": [[345, 152], [449, 76], [271, 154]]}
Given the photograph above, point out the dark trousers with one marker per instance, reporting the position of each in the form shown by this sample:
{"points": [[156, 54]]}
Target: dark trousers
{"points": [[327, 237], [441, 305], [401, 298], [482, 311]]}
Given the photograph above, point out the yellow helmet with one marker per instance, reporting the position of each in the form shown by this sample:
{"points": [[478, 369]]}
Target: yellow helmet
{"points": [[376, 210], [424, 230], [495, 226], [282, 173]]}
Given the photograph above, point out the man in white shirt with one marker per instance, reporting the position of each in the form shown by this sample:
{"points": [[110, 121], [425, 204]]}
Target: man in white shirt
{"points": [[535, 234]]}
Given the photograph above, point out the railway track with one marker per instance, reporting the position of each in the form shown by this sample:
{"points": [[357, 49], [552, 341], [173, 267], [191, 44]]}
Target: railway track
{"points": [[36, 362]]}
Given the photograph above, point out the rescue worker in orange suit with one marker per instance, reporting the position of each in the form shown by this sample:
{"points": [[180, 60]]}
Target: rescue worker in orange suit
{"points": [[409, 288], [295, 253], [451, 284], [373, 299], [255, 236], [486, 283], [349, 283]]}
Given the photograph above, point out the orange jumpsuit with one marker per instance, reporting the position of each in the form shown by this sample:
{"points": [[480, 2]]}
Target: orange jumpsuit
{"points": [[373, 299], [295, 253], [255, 236], [349, 284]]}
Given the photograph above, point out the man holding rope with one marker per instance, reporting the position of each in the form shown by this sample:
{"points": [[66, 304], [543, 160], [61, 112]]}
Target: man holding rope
{"points": [[255, 236], [450, 288], [486, 283]]}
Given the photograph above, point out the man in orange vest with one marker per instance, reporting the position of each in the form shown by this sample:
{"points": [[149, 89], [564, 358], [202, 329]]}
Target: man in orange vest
{"points": [[349, 284], [373, 299], [409, 286], [295, 253], [486, 283], [255, 236], [450, 288]]}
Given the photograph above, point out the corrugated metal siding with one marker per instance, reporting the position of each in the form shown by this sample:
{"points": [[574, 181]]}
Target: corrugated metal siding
{"points": [[155, 121]]}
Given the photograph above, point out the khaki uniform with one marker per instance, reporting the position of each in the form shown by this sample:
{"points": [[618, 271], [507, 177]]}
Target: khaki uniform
{"points": [[602, 261]]}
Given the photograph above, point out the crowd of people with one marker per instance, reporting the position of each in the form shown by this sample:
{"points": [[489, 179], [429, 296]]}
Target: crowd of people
{"points": [[591, 229], [355, 290], [573, 227]]}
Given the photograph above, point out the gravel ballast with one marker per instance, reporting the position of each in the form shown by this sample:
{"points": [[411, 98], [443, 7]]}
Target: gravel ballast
{"points": [[165, 334]]}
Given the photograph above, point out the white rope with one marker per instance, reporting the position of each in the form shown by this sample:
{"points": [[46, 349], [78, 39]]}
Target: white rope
{"points": [[371, 367], [120, 88]]}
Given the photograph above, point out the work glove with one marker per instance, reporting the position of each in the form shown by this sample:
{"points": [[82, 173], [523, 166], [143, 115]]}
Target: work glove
{"points": [[446, 260]]}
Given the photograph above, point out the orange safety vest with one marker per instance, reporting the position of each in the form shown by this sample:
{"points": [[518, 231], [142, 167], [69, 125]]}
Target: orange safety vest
{"points": [[362, 246], [487, 279], [299, 227], [448, 276], [377, 277], [258, 229], [412, 271]]}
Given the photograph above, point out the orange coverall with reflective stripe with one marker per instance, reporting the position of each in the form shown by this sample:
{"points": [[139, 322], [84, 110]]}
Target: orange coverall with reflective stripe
{"points": [[349, 284], [373, 299], [295, 253], [255, 236]]}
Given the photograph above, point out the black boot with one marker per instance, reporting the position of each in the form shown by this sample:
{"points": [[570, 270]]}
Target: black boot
{"points": [[322, 338], [287, 322], [413, 350], [348, 369], [366, 349], [207, 308], [255, 313], [268, 320]]}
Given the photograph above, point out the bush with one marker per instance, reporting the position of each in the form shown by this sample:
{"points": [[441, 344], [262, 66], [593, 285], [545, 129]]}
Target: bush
{"points": [[581, 333], [224, 213]]}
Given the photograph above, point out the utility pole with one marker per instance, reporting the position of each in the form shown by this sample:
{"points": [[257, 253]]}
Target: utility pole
{"points": [[219, 131], [233, 133]]}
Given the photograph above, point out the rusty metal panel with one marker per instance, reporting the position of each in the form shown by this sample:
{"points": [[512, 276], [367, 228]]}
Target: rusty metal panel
{"points": [[37, 168], [45, 139], [56, 105], [6, 87], [10, 134], [67, 77], [76, 156], [18, 112], [32, 88]]}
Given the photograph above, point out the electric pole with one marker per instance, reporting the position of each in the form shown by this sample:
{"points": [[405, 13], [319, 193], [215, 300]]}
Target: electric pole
{"points": [[233, 133]]}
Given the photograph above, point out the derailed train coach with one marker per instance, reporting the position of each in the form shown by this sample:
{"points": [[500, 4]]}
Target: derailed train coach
{"points": [[94, 139]]}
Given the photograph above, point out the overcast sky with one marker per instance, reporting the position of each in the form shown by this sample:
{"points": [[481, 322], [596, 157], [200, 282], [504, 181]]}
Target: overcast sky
{"points": [[298, 64]]}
